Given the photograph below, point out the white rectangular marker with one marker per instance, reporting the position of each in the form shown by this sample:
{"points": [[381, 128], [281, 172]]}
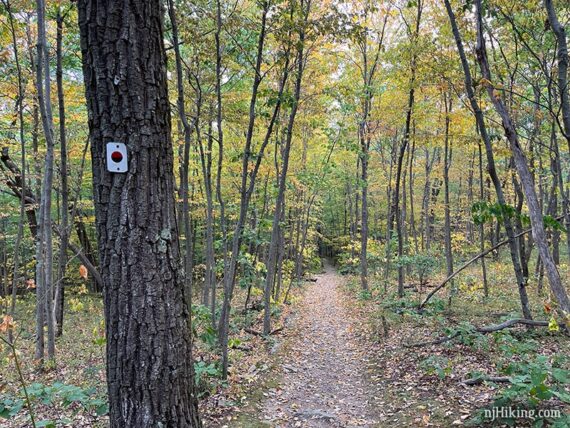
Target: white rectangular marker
{"points": [[117, 157]]}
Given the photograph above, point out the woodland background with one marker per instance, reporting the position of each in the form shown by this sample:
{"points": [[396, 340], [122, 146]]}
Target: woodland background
{"points": [[310, 129]]}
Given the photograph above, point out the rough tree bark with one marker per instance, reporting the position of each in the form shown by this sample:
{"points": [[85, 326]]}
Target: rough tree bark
{"points": [[149, 363]]}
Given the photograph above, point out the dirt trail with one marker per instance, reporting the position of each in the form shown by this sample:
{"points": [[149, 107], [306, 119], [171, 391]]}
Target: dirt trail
{"points": [[323, 382]]}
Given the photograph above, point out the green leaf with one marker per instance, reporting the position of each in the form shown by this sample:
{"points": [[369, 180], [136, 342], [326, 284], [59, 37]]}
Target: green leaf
{"points": [[541, 392], [102, 409], [4, 412], [561, 375], [537, 378], [563, 395]]}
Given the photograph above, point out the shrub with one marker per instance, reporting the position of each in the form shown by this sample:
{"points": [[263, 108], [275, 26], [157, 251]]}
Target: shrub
{"points": [[535, 380], [436, 364], [423, 265], [206, 377], [59, 394], [532, 382], [202, 325]]}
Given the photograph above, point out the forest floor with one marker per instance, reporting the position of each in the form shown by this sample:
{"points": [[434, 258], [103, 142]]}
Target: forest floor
{"points": [[323, 375], [344, 361], [338, 358], [316, 373]]}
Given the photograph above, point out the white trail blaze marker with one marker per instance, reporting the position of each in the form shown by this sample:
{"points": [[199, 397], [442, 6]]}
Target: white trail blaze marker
{"points": [[117, 157]]}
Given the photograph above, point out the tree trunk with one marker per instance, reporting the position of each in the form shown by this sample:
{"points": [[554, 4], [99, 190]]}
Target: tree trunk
{"points": [[426, 199], [185, 164], [446, 165], [272, 253], [535, 213], [481, 224], [369, 68], [149, 364], [219, 115], [365, 145], [209, 296], [518, 227], [562, 60], [490, 161], [403, 146], [22, 132], [470, 181], [64, 226], [411, 193], [248, 181], [44, 253]]}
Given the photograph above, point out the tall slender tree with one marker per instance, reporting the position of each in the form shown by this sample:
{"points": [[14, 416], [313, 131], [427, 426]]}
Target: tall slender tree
{"points": [[59, 294], [44, 252], [491, 166], [304, 10], [520, 160]]}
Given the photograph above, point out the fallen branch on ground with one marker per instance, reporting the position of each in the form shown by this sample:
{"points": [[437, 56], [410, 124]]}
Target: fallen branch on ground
{"points": [[432, 342], [484, 330], [243, 348], [510, 323], [473, 260], [480, 380], [258, 333]]}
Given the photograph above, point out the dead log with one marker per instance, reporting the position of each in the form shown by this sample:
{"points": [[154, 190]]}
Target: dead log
{"points": [[480, 380], [511, 323], [432, 342], [483, 330], [258, 333], [243, 348]]}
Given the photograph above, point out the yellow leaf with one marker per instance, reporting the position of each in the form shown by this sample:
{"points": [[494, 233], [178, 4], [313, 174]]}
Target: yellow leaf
{"points": [[76, 305], [553, 325]]}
